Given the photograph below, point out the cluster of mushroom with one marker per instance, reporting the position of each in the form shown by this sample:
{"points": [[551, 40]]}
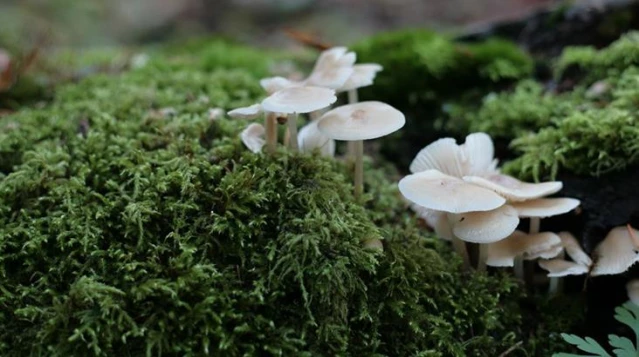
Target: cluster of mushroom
{"points": [[460, 192], [335, 71]]}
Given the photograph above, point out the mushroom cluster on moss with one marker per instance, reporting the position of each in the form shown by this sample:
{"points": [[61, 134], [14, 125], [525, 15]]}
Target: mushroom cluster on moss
{"points": [[460, 192]]}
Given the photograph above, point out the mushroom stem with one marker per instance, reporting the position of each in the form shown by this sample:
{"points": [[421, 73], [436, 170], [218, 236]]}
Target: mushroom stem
{"points": [[359, 168], [519, 267], [481, 257], [292, 129], [460, 247], [271, 132], [528, 269], [556, 283], [352, 99]]}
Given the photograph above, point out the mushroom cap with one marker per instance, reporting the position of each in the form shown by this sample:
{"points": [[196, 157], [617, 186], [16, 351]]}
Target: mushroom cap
{"points": [[616, 253], [334, 57], [503, 253], [559, 267], [478, 152], [435, 190], [474, 157], [443, 155], [274, 84], [250, 112], [374, 244], [545, 207], [574, 250], [485, 227], [310, 138], [361, 121], [363, 75], [299, 100], [332, 78], [513, 189], [632, 287], [252, 137], [545, 245]]}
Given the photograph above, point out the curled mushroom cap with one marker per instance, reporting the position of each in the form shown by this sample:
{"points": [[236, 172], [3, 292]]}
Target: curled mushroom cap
{"points": [[252, 137], [616, 253], [545, 207], [442, 155], [299, 100], [513, 189], [478, 155], [435, 190], [250, 112], [310, 138], [559, 267], [633, 291], [551, 249], [474, 157], [361, 121], [363, 75], [334, 57], [572, 247], [485, 227], [503, 253]]}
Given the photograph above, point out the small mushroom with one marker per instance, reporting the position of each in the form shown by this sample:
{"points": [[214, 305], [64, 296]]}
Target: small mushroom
{"points": [[252, 137], [559, 268], [485, 227], [478, 155], [295, 100], [363, 75], [435, 190], [616, 253], [310, 138], [250, 112], [359, 122], [513, 189], [274, 84], [633, 291], [503, 253], [538, 208]]}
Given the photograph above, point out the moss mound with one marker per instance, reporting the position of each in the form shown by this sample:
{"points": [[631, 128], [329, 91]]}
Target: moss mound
{"points": [[131, 224]]}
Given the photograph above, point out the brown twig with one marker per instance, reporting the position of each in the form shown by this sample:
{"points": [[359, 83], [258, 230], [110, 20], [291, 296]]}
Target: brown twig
{"points": [[307, 39], [511, 349]]}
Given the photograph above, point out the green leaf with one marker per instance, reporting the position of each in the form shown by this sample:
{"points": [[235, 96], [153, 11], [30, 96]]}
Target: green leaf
{"points": [[624, 347], [587, 345]]}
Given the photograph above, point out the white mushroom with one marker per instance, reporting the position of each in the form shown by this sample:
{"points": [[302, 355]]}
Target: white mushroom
{"points": [[503, 253], [478, 155], [485, 227], [574, 250], [559, 268], [274, 84], [545, 207], [435, 190], [359, 122], [310, 138], [252, 137], [616, 253], [295, 100], [514, 189], [250, 112]]}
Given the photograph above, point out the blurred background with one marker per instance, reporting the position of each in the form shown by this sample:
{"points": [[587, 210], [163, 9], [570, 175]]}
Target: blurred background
{"points": [[259, 22]]}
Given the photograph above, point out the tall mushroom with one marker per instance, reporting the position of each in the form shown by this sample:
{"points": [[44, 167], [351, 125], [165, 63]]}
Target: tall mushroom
{"points": [[359, 122], [295, 100]]}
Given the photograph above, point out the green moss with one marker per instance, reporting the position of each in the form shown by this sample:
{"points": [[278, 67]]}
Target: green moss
{"points": [[595, 65], [593, 138], [130, 230], [508, 115], [423, 69]]}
